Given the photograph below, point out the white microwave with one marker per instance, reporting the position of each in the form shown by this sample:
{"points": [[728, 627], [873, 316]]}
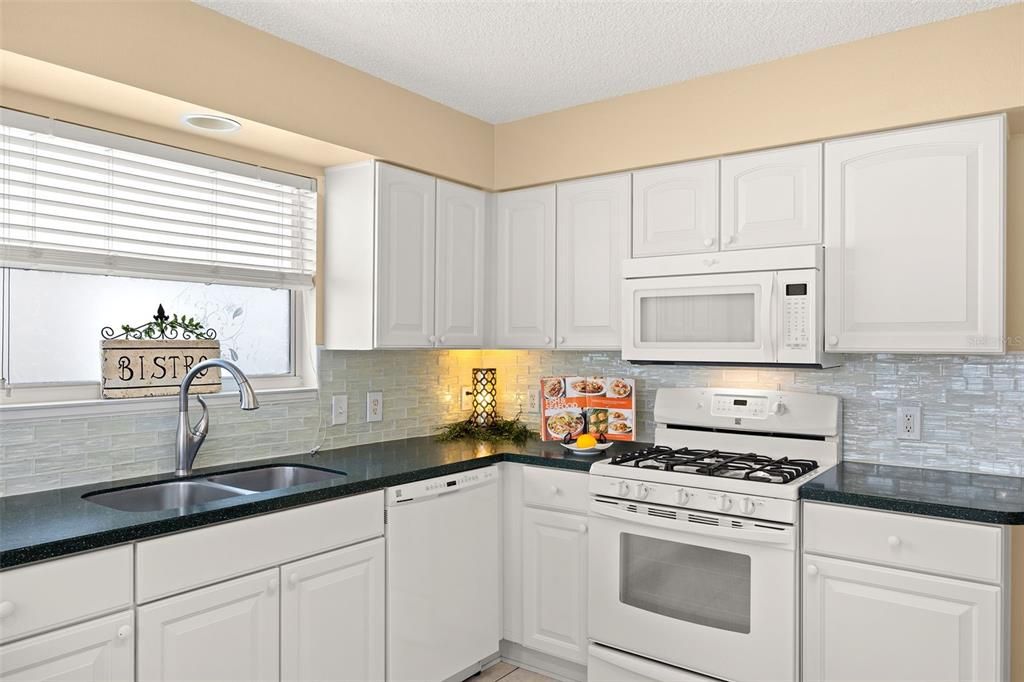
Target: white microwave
{"points": [[760, 306]]}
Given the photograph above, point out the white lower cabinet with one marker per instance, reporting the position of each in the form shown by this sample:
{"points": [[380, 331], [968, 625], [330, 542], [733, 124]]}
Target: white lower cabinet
{"points": [[227, 632], [867, 623], [555, 583], [101, 650], [332, 615]]}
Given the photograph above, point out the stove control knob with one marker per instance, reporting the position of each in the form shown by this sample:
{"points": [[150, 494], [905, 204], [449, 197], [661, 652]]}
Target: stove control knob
{"points": [[748, 506], [724, 503], [779, 408], [642, 492], [682, 497], [623, 489]]}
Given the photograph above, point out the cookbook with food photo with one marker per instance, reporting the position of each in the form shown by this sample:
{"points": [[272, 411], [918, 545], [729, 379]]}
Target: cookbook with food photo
{"points": [[602, 407]]}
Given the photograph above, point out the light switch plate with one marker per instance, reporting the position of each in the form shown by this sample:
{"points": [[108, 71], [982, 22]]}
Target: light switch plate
{"points": [[533, 401], [466, 398], [374, 406], [339, 410]]}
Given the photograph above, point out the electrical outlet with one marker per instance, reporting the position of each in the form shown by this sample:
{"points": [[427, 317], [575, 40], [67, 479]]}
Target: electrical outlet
{"points": [[466, 398], [339, 410], [374, 406], [533, 401], [908, 422]]}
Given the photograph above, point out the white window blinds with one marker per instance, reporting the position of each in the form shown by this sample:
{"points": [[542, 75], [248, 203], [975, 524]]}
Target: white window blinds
{"points": [[76, 199]]}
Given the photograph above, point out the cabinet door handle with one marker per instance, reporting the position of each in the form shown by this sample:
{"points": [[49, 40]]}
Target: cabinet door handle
{"points": [[432, 339], [709, 241], [293, 579], [708, 262], [833, 340], [442, 339], [583, 529], [272, 585], [6, 608], [547, 339], [124, 632], [894, 541], [561, 340], [812, 569], [730, 239], [555, 490]]}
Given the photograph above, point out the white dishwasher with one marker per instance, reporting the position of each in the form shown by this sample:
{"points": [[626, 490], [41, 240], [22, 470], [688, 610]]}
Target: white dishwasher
{"points": [[442, 576]]}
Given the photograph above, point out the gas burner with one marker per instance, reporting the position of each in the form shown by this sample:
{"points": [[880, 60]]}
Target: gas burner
{"points": [[720, 463]]}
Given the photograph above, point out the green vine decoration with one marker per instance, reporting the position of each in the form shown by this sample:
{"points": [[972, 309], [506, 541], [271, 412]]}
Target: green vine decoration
{"points": [[502, 430]]}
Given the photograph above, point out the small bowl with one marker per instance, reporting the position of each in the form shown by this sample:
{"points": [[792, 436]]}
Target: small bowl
{"points": [[600, 447]]}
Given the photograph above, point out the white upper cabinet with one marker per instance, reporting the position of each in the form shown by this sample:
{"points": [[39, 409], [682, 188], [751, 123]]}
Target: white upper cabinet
{"points": [[525, 268], [461, 234], [593, 239], [675, 209], [914, 239], [405, 263], [772, 198]]}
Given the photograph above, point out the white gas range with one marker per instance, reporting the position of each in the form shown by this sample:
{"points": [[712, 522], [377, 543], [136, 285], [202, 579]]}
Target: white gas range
{"points": [[693, 549]]}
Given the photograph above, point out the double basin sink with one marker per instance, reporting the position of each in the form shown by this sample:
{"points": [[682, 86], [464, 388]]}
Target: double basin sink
{"points": [[181, 494]]}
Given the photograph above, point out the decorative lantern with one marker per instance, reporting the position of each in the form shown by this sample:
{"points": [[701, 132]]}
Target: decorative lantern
{"points": [[485, 396]]}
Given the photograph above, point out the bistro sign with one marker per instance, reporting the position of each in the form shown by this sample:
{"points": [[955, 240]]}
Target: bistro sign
{"points": [[152, 359]]}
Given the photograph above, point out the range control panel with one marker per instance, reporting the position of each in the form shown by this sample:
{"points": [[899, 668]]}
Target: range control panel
{"points": [[739, 406]]}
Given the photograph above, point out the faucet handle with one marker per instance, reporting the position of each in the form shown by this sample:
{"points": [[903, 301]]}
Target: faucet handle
{"points": [[202, 427]]}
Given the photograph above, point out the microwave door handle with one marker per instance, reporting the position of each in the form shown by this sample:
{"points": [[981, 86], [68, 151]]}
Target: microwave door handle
{"points": [[768, 537], [773, 314]]}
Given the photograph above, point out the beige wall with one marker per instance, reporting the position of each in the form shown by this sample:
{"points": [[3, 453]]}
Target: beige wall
{"points": [[180, 50], [969, 65]]}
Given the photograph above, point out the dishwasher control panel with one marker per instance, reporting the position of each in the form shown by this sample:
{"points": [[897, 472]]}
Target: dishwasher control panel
{"points": [[440, 486]]}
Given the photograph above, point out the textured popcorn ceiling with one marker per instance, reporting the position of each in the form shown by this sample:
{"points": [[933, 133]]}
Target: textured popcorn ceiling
{"points": [[501, 61]]}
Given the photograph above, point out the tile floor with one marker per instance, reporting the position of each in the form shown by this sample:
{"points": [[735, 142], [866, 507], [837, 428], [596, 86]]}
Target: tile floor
{"points": [[506, 672]]}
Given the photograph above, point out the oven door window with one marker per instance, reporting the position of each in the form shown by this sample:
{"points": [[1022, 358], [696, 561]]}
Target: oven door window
{"points": [[690, 583]]}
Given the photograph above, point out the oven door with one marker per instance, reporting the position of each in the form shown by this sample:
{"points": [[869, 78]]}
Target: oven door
{"points": [[700, 318], [708, 593]]}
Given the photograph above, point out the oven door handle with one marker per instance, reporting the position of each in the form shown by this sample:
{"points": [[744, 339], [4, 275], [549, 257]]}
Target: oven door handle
{"points": [[767, 537]]}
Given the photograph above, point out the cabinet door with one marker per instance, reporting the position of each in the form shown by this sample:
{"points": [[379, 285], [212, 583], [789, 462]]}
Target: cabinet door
{"points": [[914, 223], [100, 650], [332, 615], [461, 224], [675, 209], [555, 583], [227, 632], [525, 268], [405, 258], [907, 627], [772, 198], [593, 239]]}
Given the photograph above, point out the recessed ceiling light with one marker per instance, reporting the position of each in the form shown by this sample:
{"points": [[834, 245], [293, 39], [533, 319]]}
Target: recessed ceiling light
{"points": [[211, 123]]}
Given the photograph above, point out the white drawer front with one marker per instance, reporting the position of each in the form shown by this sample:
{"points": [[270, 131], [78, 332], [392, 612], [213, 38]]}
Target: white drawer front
{"points": [[555, 489], [43, 596], [953, 548], [176, 563]]}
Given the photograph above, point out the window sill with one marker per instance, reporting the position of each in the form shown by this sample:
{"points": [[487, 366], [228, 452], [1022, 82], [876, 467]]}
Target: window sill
{"points": [[100, 407]]}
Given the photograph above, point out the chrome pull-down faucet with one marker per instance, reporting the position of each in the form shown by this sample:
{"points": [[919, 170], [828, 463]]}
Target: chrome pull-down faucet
{"points": [[190, 438]]}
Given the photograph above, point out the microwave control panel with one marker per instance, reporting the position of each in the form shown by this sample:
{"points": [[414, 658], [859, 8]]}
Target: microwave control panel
{"points": [[796, 316]]}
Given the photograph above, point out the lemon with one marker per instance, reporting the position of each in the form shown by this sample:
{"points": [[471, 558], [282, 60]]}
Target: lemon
{"points": [[586, 442]]}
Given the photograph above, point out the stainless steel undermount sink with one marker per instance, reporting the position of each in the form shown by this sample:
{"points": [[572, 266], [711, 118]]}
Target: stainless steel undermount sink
{"points": [[192, 492], [163, 496], [274, 477]]}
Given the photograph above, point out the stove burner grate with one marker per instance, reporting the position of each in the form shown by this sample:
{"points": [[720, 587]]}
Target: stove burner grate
{"points": [[721, 463]]}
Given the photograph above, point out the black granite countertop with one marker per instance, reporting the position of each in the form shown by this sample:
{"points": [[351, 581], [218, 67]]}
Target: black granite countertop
{"points": [[947, 494], [55, 523]]}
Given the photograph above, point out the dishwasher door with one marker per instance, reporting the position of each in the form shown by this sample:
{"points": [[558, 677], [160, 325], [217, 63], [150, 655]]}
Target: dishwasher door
{"points": [[442, 576]]}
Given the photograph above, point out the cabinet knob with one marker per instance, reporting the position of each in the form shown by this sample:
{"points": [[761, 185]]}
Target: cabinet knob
{"points": [[708, 262], [833, 340], [432, 339], [812, 569], [894, 541], [293, 579], [555, 490], [124, 632], [709, 241], [730, 239], [561, 340], [272, 585], [6, 608], [547, 339], [442, 339], [583, 529]]}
